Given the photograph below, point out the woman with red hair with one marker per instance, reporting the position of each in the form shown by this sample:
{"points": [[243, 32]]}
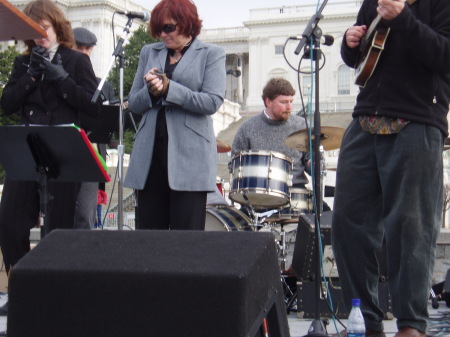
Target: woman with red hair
{"points": [[180, 82]]}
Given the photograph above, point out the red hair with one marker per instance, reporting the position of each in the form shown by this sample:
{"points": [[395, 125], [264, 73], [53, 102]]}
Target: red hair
{"points": [[184, 12]]}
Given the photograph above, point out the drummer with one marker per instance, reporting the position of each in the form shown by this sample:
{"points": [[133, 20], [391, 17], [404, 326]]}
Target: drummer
{"points": [[268, 130]]}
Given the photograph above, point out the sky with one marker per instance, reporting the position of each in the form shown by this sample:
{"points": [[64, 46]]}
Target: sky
{"points": [[228, 13]]}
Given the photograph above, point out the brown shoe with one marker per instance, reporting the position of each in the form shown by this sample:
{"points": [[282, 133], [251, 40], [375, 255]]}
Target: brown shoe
{"points": [[369, 333], [409, 332]]}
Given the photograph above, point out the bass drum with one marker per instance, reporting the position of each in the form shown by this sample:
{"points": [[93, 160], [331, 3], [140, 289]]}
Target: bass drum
{"points": [[226, 218]]}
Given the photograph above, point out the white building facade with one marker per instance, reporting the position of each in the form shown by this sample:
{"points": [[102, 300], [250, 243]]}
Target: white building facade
{"points": [[261, 49]]}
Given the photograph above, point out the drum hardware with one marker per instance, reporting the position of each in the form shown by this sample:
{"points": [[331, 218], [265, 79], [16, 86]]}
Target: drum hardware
{"points": [[282, 243], [288, 279], [257, 222], [290, 293], [330, 139], [260, 218]]}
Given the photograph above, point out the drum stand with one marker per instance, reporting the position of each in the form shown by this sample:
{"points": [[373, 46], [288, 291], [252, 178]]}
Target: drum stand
{"points": [[290, 296], [258, 218]]}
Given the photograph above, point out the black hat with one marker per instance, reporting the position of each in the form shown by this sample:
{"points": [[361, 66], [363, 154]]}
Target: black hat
{"points": [[84, 37]]}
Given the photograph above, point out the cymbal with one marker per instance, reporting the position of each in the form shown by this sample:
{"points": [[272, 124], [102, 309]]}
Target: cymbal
{"points": [[330, 138], [222, 147]]}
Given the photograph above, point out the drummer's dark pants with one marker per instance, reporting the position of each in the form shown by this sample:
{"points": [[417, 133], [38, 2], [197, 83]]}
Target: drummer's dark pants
{"points": [[392, 186], [19, 212]]}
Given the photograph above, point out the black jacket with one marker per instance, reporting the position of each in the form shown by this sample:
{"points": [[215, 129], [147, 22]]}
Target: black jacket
{"points": [[47, 103], [412, 77]]}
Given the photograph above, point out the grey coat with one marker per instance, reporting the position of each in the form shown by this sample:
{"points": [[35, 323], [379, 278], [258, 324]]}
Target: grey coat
{"points": [[195, 93]]}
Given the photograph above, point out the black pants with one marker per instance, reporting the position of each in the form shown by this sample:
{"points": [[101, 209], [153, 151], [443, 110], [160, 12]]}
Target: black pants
{"points": [[19, 212], [160, 207]]}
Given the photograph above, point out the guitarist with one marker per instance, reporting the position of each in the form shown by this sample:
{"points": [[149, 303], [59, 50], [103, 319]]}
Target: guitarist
{"points": [[390, 171]]}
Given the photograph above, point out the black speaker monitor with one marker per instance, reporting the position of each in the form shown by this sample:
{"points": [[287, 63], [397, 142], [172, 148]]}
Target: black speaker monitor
{"points": [[147, 283]]}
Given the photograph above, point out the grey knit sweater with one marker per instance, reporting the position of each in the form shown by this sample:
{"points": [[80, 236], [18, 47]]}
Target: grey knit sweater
{"points": [[262, 133]]}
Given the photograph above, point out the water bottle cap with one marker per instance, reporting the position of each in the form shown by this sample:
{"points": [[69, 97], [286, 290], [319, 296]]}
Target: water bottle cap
{"points": [[356, 302]]}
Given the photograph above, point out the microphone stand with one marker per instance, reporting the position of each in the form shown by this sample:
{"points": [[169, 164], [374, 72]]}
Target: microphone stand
{"points": [[312, 36], [118, 52], [317, 327]]}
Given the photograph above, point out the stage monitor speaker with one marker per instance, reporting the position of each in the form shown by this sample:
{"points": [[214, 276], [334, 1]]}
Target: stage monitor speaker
{"points": [[147, 283], [304, 257]]}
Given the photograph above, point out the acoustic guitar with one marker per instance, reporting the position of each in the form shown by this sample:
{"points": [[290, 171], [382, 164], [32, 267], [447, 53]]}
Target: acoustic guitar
{"points": [[372, 44]]}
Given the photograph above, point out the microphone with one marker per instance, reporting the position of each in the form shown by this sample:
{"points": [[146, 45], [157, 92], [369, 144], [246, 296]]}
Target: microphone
{"points": [[144, 16], [327, 40]]}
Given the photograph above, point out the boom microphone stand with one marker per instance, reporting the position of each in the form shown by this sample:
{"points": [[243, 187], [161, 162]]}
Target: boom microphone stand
{"points": [[118, 52], [311, 37]]}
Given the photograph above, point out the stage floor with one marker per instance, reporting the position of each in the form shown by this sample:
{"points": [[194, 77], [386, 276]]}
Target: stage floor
{"points": [[439, 325], [299, 327]]}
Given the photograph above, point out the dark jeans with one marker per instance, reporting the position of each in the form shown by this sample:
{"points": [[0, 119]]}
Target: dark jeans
{"points": [[160, 207], [388, 185], [98, 221]]}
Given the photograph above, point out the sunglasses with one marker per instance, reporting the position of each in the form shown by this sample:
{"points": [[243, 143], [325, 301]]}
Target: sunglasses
{"points": [[169, 28]]}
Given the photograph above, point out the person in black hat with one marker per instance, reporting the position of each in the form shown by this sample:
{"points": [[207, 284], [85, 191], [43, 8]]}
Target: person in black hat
{"points": [[87, 203], [85, 42]]}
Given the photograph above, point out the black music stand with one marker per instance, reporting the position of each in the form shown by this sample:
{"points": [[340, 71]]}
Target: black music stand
{"points": [[41, 153]]}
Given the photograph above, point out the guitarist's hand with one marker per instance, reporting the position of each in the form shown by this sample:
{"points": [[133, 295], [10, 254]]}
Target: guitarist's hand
{"points": [[390, 9], [354, 35]]}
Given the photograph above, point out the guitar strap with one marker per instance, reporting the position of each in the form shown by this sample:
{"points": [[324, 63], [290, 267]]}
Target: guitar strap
{"points": [[410, 2]]}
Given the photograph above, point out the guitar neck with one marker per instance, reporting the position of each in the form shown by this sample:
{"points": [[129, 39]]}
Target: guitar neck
{"points": [[374, 25]]}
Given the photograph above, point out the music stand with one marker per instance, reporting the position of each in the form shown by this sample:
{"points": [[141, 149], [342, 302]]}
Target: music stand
{"points": [[15, 25], [43, 153]]}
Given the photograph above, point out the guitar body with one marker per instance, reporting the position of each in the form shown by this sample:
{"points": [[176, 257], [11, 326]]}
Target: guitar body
{"points": [[372, 46]]}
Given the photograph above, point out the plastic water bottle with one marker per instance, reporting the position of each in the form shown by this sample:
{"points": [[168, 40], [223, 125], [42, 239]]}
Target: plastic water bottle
{"points": [[355, 322]]}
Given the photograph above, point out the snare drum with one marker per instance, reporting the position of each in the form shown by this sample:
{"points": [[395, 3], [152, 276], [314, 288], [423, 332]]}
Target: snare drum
{"points": [[261, 178], [226, 218]]}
